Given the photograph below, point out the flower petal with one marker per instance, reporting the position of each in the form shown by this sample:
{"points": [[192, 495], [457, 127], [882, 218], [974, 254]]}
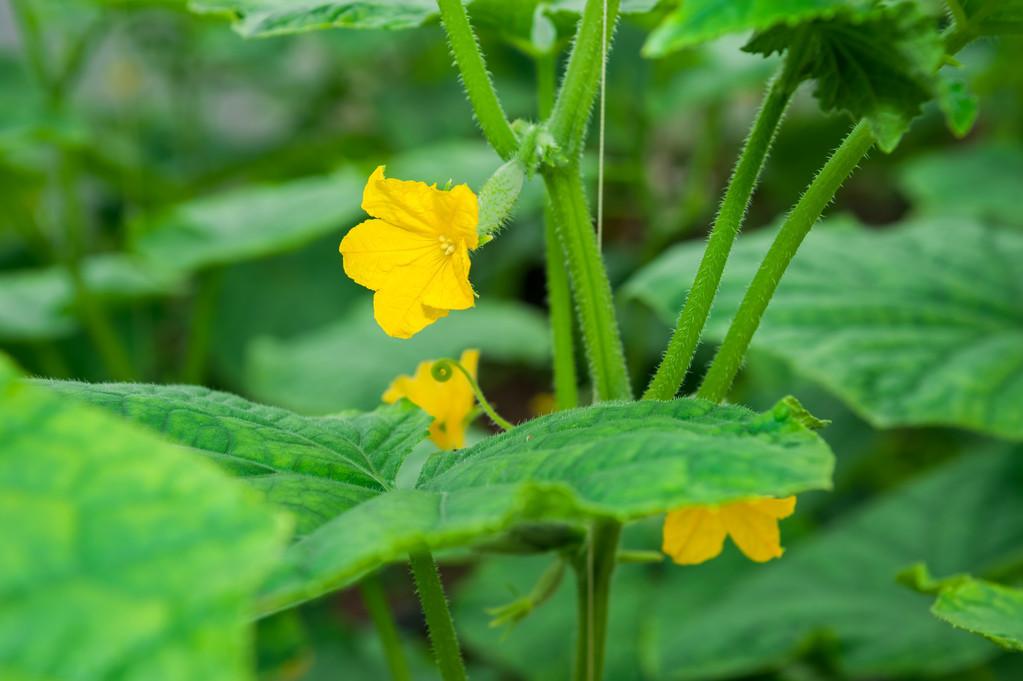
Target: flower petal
{"points": [[776, 508], [374, 250], [755, 532], [450, 288], [693, 535], [401, 314], [422, 208]]}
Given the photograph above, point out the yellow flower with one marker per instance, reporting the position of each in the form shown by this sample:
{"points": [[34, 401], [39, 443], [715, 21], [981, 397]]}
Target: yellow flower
{"points": [[696, 534], [414, 253], [449, 403]]}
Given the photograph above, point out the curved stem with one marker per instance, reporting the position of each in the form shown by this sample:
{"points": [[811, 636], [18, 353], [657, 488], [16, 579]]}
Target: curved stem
{"points": [[559, 296], [476, 79], [571, 113], [446, 650], [502, 422], [691, 320], [590, 286], [375, 600], [818, 195]]}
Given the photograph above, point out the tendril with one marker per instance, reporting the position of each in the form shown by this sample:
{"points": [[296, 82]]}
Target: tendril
{"points": [[443, 369]]}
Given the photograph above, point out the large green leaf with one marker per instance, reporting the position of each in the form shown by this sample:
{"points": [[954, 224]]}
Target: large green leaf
{"points": [[880, 66], [39, 304], [977, 181], [697, 21], [273, 17], [922, 324], [995, 16], [314, 467], [250, 222], [620, 461], [837, 591], [349, 364], [991, 610], [124, 556]]}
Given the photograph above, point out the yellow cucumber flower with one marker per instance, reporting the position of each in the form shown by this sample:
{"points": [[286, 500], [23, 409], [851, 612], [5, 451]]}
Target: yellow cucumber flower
{"points": [[696, 534], [414, 253], [449, 403]]}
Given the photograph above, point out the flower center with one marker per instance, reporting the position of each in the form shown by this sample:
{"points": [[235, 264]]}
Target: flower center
{"points": [[447, 246]]}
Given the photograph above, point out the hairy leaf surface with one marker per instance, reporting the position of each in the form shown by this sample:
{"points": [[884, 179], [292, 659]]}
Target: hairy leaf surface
{"points": [[124, 556], [917, 325], [620, 461]]}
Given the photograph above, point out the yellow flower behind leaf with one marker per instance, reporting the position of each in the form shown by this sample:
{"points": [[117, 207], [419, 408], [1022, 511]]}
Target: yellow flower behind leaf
{"points": [[414, 253], [696, 534], [449, 403]]}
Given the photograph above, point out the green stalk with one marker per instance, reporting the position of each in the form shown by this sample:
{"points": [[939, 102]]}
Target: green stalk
{"points": [[798, 223], [594, 568], [559, 296], [590, 286], [476, 79], [380, 612], [204, 307], [691, 320], [438, 618], [571, 115]]}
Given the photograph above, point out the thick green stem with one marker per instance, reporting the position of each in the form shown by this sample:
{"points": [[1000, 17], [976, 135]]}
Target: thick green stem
{"points": [[594, 568], [559, 295], [571, 114], [204, 307], [375, 600], [691, 320], [438, 618], [590, 286], [476, 79], [798, 223]]}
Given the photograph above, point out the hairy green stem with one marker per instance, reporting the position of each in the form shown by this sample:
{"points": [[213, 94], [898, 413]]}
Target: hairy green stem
{"points": [[594, 567], [375, 600], [691, 320], [204, 307], [441, 627], [476, 79], [571, 115], [441, 373], [804, 215], [590, 286], [559, 295]]}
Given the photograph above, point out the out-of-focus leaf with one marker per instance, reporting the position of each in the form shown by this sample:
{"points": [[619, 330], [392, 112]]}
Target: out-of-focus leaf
{"points": [[622, 461], [959, 105], [977, 181], [124, 556], [38, 304], [995, 17], [917, 325], [837, 592], [313, 467], [879, 65], [697, 21], [350, 364], [250, 222]]}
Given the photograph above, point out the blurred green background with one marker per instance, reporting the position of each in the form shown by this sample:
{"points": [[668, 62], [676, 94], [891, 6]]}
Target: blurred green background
{"points": [[172, 199]]}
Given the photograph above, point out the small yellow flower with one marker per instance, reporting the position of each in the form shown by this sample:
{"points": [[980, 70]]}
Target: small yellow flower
{"points": [[696, 534], [449, 403], [415, 252]]}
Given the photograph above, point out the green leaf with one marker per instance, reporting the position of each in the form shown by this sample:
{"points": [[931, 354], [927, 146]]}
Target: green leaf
{"points": [[314, 467], [350, 364], [994, 17], [879, 65], [698, 21], [39, 304], [624, 461], [835, 594], [959, 105], [250, 222], [991, 610], [129, 558], [919, 325], [976, 181]]}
